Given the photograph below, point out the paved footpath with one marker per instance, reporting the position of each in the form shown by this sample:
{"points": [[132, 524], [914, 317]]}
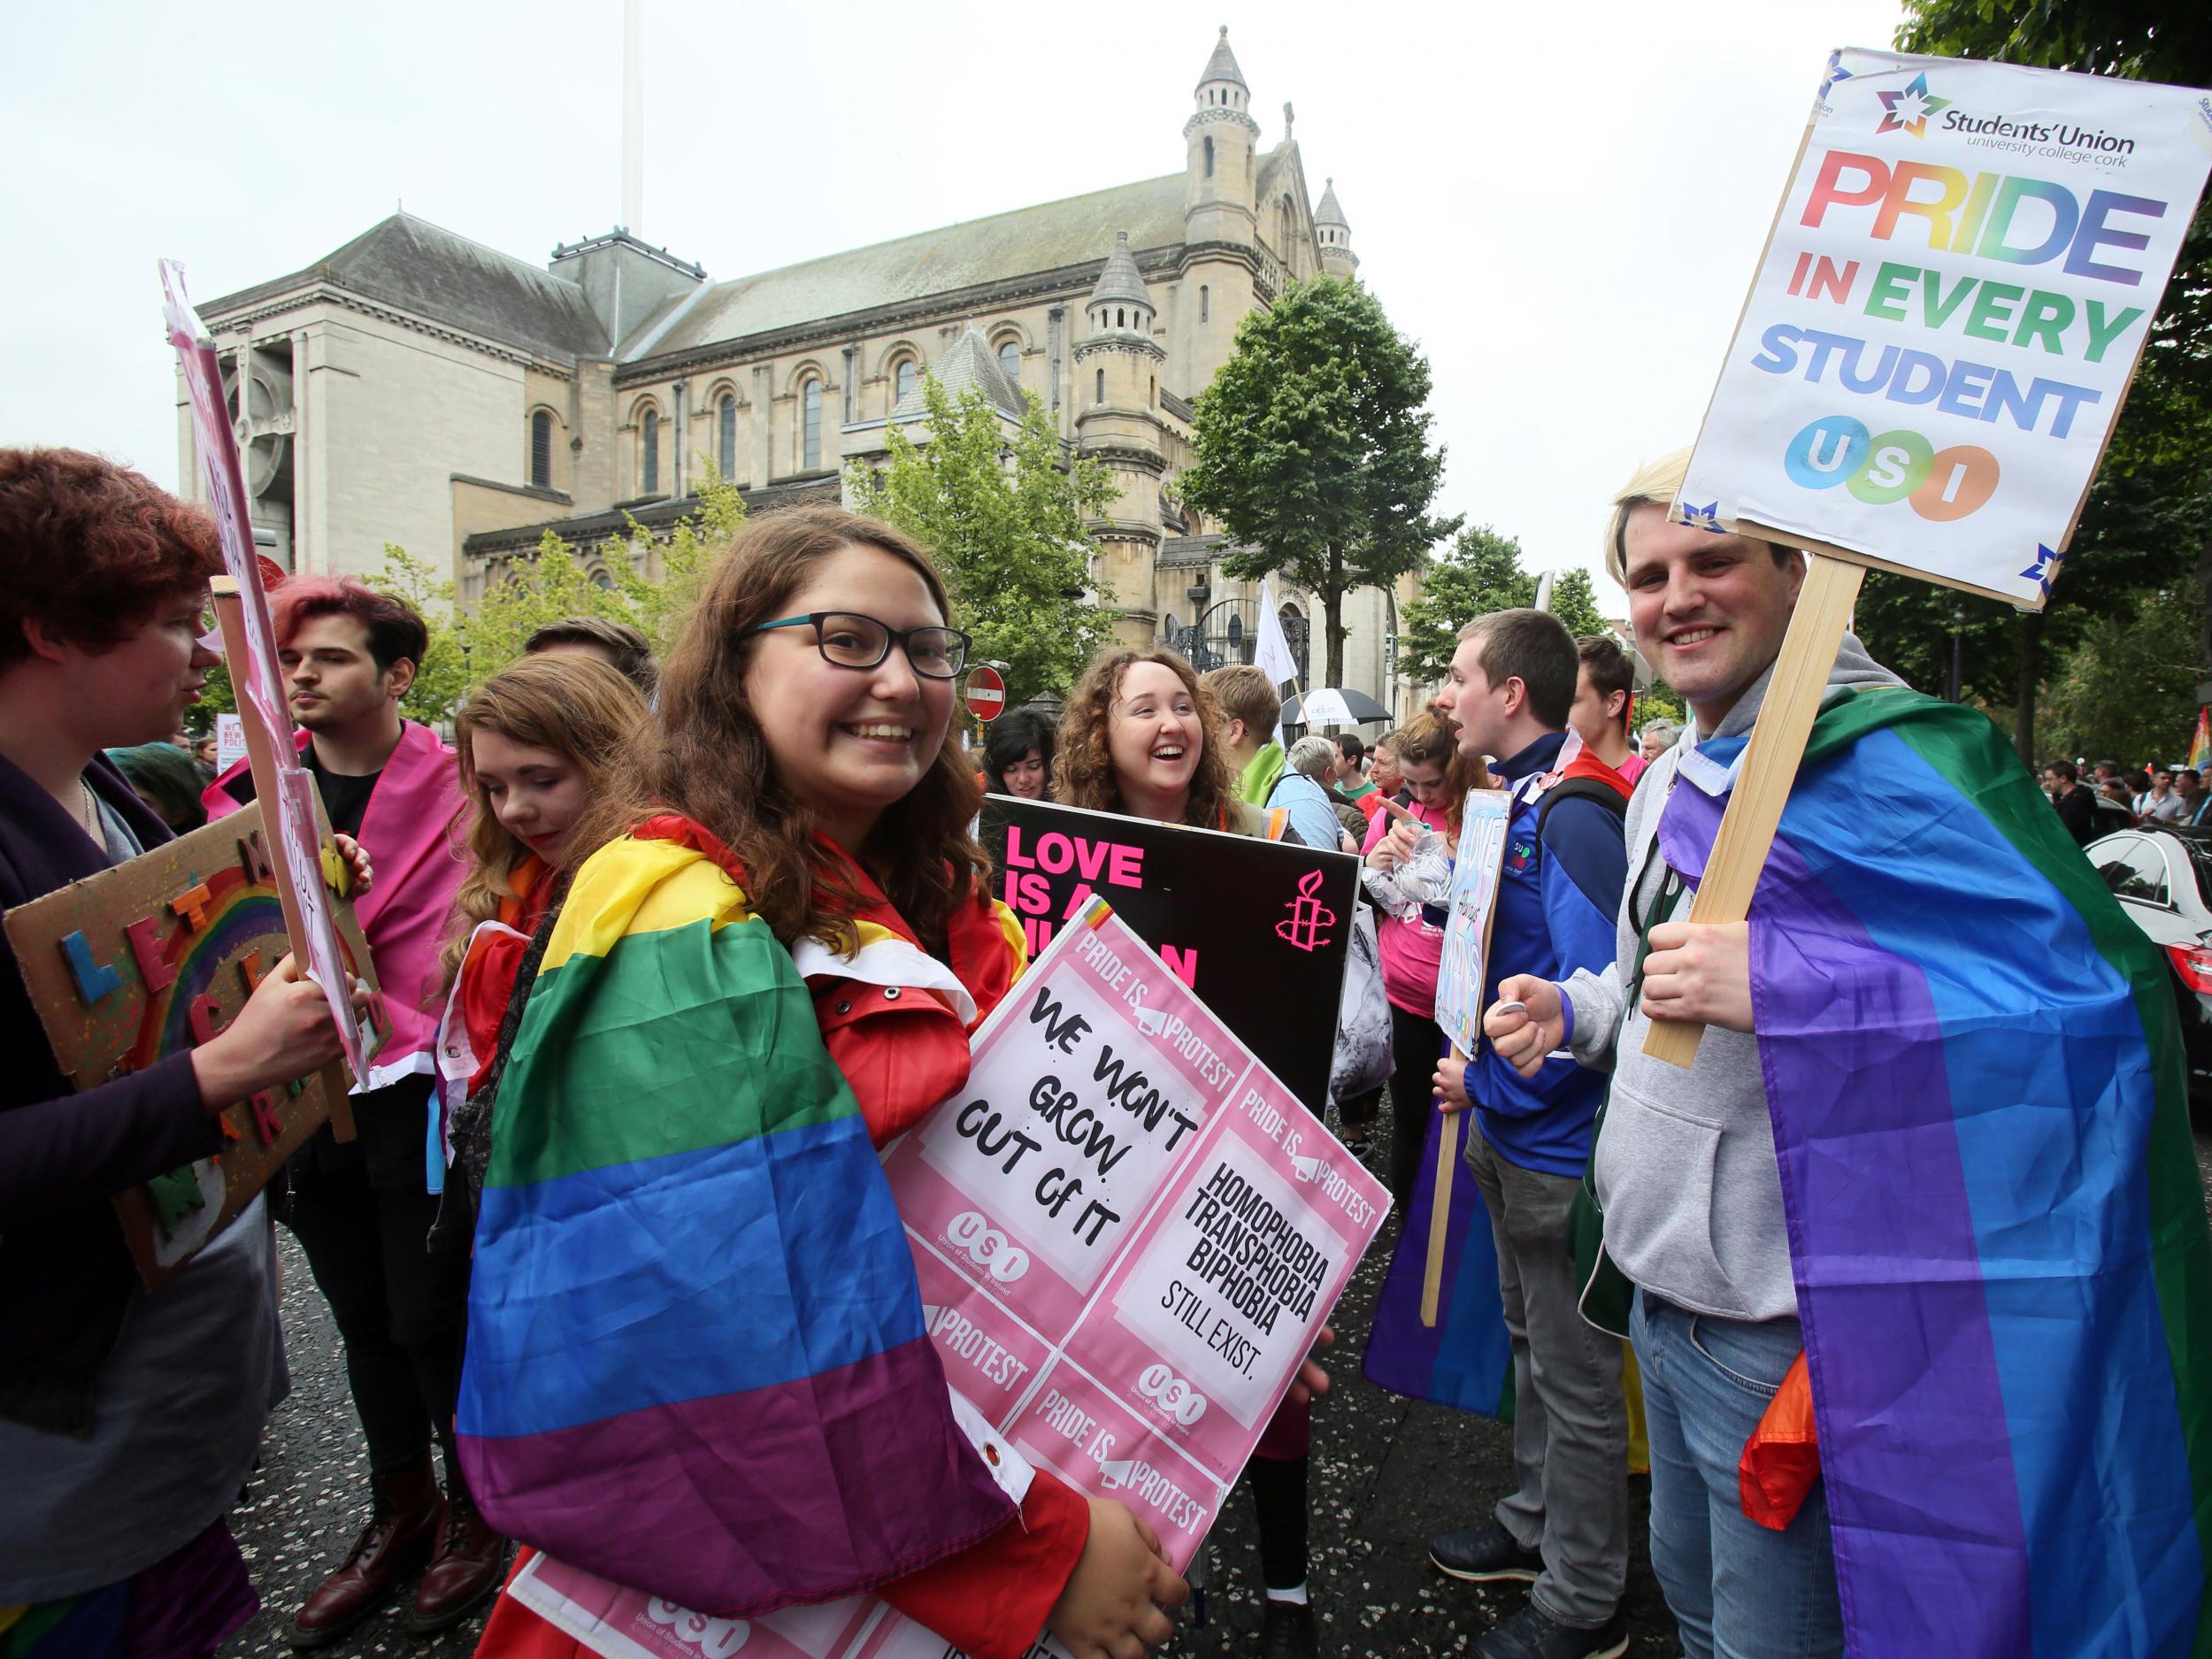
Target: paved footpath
{"points": [[1386, 1472]]}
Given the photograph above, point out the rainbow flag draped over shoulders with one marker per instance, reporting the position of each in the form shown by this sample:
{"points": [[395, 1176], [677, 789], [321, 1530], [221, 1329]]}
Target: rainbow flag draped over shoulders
{"points": [[696, 1363], [1997, 1227], [2201, 742]]}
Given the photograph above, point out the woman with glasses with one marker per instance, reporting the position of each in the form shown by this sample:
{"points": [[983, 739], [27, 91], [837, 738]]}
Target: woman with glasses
{"points": [[1411, 938], [770, 967]]}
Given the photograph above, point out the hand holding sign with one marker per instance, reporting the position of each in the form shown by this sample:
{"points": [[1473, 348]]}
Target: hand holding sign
{"points": [[284, 1031], [1120, 1583]]}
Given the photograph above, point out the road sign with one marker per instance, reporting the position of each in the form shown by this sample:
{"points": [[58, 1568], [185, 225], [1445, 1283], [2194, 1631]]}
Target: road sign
{"points": [[987, 693]]}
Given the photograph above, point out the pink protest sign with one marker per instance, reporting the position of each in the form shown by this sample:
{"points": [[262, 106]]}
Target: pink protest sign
{"points": [[254, 672], [1126, 1231], [626, 1625]]}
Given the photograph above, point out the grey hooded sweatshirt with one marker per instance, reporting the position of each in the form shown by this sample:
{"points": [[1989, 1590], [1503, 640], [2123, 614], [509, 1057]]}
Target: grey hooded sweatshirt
{"points": [[1685, 1163]]}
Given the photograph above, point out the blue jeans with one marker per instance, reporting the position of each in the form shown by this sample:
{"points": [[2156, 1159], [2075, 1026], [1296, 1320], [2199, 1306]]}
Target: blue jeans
{"points": [[1737, 1589]]}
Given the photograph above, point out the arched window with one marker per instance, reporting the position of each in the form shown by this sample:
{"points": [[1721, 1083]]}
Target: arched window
{"points": [[1205, 303], [1102, 387], [811, 426], [904, 377], [1210, 158], [1121, 318], [726, 436], [542, 449], [1154, 393], [649, 466], [1010, 359]]}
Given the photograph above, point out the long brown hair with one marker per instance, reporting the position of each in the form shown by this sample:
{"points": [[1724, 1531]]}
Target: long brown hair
{"points": [[573, 705], [1433, 736], [1083, 770], [706, 757]]}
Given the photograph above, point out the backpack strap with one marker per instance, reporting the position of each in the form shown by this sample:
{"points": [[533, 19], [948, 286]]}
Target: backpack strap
{"points": [[1573, 788]]}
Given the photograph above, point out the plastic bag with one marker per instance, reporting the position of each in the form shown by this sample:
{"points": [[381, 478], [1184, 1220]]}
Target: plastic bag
{"points": [[1364, 1057]]}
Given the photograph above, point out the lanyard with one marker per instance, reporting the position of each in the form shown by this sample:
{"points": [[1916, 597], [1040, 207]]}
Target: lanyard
{"points": [[1671, 886]]}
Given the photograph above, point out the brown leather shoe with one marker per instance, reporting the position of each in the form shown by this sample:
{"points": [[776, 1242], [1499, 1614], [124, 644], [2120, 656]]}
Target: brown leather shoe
{"points": [[463, 1572], [405, 1518]]}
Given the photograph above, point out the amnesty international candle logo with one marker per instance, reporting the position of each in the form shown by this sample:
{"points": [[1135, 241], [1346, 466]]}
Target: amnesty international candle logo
{"points": [[1908, 110], [1308, 916]]}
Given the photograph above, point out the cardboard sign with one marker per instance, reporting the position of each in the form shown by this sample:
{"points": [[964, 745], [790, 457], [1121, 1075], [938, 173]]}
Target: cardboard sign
{"points": [[1476, 872], [1261, 930], [1941, 333], [149, 959], [1127, 1233], [249, 652]]}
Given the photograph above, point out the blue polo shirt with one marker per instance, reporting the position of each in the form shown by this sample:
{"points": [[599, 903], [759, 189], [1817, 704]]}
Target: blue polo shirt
{"points": [[1557, 904]]}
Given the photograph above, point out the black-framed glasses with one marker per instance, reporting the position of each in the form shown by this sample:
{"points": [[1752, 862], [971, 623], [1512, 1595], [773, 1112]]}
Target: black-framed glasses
{"points": [[848, 639]]}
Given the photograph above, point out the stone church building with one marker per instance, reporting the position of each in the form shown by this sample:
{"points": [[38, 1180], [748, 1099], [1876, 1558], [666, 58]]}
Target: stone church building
{"points": [[417, 387]]}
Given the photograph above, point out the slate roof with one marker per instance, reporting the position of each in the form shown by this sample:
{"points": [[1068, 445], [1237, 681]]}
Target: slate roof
{"points": [[1048, 237], [417, 266], [1223, 64], [586, 531], [1120, 281], [1329, 212], [969, 363]]}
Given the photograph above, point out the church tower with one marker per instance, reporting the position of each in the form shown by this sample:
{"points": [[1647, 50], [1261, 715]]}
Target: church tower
{"points": [[1220, 227], [1333, 232], [1117, 365]]}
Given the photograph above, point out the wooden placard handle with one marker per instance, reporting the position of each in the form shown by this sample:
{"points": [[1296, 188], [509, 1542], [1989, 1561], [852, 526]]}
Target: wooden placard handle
{"points": [[1769, 767], [1439, 1218], [261, 758]]}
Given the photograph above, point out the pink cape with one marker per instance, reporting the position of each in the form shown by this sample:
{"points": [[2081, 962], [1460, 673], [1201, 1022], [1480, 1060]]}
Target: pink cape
{"points": [[407, 830]]}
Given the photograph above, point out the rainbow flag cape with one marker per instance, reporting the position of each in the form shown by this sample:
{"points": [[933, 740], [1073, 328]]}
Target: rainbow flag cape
{"points": [[696, 1363], [1997, 1228], [2200, 745], [1465, 1359]]}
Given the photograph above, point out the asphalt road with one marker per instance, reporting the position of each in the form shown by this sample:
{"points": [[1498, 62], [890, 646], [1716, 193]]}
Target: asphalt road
{"points": [[1386, 1473]]}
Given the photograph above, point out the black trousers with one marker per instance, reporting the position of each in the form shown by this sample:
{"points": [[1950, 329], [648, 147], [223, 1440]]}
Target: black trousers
{"points": [[1279, 1499], [362, 1213], [1418, 1044]]}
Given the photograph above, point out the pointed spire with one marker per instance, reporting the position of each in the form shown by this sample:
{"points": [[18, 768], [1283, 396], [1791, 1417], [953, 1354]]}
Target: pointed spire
{"points": [[1329, 212], [1223, 64], [970, 362], [1120, 283]]}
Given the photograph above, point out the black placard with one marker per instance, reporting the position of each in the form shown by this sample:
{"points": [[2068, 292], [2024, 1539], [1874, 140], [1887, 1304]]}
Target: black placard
{"points": [[1260, 930]]}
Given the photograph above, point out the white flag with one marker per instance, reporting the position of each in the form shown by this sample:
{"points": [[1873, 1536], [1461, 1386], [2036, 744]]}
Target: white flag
{"points": [[1271, 654]]}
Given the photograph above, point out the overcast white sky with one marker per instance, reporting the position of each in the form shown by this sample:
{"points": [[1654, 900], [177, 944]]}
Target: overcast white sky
{"points": [[1562, 204]]}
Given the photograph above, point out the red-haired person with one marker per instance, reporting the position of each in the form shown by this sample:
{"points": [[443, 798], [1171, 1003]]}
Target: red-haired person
{"points": [[363, 1210], [127, 1420]]}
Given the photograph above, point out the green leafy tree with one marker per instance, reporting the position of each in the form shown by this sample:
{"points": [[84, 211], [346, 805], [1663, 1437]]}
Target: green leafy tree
{"points": [[442, 677], [2149, 518], [557, 584], [1312, 447], [1481, 572], [1574, 600], [2128, 691], [1659, 701], [658, 608], [1007, 521]]}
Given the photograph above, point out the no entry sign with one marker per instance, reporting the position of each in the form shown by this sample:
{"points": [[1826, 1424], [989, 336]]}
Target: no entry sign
{"points": [[986, 694]]}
